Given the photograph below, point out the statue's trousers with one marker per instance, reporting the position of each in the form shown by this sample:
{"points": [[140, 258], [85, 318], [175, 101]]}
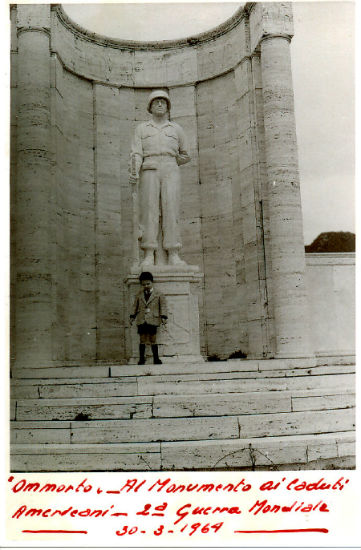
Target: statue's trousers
{"points": [[159, 196]]}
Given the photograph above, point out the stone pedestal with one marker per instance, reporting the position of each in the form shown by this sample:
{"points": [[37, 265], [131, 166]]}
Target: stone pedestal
{"points": [[179, 339]]}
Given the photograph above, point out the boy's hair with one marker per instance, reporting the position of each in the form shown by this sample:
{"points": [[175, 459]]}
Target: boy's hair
{"points": [[145, 276]]}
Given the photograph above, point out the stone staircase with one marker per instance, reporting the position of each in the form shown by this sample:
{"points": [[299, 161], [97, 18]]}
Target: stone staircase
{"points": [[236, 414]]}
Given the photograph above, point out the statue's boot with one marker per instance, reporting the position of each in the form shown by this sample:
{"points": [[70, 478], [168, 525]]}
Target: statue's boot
{"points": [[141, 354], [174, 259], [156, 359], [148, 258]]}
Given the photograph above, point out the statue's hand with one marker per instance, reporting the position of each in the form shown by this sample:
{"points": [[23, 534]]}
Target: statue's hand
{"points": [[133, 179]]}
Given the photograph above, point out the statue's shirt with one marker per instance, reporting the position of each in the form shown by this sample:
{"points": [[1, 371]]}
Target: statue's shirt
{"points": [[151, 140]]}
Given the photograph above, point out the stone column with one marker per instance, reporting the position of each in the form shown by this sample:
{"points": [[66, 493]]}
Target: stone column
{"points": [[33, 216], [286, 231]]}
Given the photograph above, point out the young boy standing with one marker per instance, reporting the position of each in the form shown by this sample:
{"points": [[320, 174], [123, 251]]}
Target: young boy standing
{"points": [[150, 310]]}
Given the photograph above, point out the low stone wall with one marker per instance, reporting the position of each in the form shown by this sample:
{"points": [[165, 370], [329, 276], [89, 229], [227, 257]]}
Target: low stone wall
{"points": [[331, 294]]}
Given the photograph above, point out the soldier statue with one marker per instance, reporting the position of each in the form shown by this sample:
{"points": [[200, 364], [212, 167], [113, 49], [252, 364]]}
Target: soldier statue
{"points": [[158, 149]]}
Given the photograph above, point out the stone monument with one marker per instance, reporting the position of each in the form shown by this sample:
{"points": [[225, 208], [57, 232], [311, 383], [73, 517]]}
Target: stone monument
{"points": [[158, 148], [77, 235]]}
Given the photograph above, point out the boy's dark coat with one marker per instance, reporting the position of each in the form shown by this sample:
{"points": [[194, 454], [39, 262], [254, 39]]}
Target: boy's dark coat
{"points": [[156, 305]]}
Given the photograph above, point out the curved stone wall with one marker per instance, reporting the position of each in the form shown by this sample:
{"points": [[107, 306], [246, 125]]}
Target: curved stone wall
{"points": [[149, 64], [97, 90]]}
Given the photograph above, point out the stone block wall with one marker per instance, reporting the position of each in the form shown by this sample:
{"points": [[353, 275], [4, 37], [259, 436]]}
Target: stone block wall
{"points": [[222, 230], [77, 98], [73, 203]]}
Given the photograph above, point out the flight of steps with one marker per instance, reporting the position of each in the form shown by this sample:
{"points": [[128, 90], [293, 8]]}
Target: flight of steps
{"points": [[236, 414]]}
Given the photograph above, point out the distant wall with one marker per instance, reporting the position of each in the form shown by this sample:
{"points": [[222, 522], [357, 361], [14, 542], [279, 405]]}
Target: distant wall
{"points": [[331, 292]]}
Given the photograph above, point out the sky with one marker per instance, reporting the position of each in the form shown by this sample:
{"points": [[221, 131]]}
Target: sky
{"points": [[322, 54]]}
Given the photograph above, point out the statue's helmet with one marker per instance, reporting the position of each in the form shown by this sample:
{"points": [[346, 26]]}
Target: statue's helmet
{"points": [[154, 95]]}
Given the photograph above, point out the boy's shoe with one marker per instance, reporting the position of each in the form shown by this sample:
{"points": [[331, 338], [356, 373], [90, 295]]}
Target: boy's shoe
{"points": [[156, 359], [141, 362]]}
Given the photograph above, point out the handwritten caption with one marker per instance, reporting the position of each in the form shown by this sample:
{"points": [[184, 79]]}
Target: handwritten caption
{"points": [[164, 506]]}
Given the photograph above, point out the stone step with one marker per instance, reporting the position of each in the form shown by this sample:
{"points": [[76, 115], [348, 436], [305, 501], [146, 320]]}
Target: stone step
{"points": [[218, 415], [74, 388], [313, 401], [250, 375], [188, 428], [89, 408], [164, 406], [136, 370], [154, 386], [336, 359], [81, 371], [125, 431], [233, 365], [237, 382], [262, 453], [40, 432], [304, 422], [86, 458], [251, 403], [334, 450]]}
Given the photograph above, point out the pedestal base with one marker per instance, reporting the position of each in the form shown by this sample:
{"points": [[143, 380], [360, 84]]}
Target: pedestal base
{"points": [[179, 340]]}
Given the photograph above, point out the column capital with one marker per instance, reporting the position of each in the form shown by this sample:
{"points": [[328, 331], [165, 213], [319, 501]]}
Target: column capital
{"points": [[270, 36], [33, 17], [45, 30], [269, 19]]}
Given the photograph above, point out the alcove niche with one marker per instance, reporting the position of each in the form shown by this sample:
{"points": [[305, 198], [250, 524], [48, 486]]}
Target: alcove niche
{"points": [[77, 97]]}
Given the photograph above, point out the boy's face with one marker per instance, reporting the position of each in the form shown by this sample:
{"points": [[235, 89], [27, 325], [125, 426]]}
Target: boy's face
{"points": [[146, 284]]}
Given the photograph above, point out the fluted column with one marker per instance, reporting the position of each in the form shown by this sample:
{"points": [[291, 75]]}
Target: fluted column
{"points": [[33, 217], [286, 230]]}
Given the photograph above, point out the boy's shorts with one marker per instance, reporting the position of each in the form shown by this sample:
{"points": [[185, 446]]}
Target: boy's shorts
{"points": [[147, 334]]}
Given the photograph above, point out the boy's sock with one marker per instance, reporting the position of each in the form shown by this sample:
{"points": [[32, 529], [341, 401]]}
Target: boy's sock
{"points": [[141, 354], [156, 359]]}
